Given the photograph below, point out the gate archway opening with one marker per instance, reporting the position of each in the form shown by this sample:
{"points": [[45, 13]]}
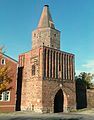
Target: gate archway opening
{"points": [[59, 101]]}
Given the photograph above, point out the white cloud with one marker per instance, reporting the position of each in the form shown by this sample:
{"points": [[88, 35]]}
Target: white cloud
{"points": [[89, 66]]}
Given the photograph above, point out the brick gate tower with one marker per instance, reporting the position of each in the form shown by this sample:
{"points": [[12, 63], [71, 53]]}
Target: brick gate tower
{"points": [[47, 72]]}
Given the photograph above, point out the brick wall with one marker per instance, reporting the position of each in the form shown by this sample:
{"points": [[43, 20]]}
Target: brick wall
{"points": [[90, 98], [32, 85], [49, 90], [10, 105], [38, 93], [50, 37]]}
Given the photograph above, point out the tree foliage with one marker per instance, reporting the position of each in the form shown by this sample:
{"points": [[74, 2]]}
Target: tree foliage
{"points": [[5, 73], [2, 49], [5, 77], [86, 78]]}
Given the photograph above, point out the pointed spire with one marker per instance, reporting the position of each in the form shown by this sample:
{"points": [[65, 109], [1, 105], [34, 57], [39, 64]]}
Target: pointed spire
{"points": [[46, 19]]}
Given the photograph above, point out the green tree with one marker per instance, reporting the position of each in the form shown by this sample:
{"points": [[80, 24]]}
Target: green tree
{"points": [[86, 78]]}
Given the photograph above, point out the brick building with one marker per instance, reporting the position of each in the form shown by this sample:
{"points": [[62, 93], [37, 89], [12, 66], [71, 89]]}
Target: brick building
{"points": [[8, 97], [47, 72]]}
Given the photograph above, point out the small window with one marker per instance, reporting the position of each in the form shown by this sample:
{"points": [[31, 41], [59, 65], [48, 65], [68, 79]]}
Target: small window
{"points": [[55, 35], [34, 34], [2, 61], [33, 70], [5, 96]]}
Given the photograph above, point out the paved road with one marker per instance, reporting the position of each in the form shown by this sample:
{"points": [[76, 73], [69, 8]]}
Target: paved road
{"points": [[58, 116]]}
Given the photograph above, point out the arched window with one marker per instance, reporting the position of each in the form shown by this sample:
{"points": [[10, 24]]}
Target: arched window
{"points": [[33, 70], [2, 61]]}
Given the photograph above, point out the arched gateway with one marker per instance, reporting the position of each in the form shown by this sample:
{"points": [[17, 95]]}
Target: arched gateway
{"points": [[59, 101]]}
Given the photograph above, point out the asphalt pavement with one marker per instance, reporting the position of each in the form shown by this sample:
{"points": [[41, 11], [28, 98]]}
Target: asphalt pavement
{"points": [[83, 115]]}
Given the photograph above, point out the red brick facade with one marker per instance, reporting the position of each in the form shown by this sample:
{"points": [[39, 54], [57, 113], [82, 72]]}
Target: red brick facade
{"points": [[39, 90], [90, 98], [11, 103]]}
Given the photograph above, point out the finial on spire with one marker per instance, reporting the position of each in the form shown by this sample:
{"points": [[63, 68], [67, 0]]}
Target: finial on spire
{"points": [[46, 5]]}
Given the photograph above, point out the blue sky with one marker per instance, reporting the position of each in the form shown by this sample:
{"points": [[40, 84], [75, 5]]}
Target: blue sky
{"points": [[74, 18]]}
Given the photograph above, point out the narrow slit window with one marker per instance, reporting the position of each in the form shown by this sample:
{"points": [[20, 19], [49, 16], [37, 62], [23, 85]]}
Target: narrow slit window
{"points": [[33, 70]]}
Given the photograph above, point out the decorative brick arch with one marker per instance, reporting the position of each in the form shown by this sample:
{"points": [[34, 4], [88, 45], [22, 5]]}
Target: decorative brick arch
{"points": [[65, 106]]}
